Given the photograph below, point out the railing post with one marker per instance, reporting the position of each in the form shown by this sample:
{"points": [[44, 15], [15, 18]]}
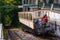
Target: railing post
{"points": [[55, 26], [52, 6]]}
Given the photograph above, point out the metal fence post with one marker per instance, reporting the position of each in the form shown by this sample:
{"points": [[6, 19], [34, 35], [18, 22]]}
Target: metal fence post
{"points": [[55, 26]]}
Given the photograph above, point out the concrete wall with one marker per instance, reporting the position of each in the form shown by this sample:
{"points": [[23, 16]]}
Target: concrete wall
{"points": [[36, 2], [58, 1], [54, 16], [55, 1], [47, 1]]}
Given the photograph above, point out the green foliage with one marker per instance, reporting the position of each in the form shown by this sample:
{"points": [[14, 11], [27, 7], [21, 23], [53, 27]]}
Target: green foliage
{"points": [[12, 12], [5, 32], [40, 4], [11, 2], [7, 20]]}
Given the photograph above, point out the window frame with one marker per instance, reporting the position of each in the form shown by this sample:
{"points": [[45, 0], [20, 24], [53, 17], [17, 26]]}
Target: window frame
{"points": [[30, 16]]}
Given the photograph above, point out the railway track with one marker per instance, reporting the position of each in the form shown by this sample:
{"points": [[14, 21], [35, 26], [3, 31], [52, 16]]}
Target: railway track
{"points": [[46, 36], [21, 35], [54, 38], [14, 36], [49, 37]]}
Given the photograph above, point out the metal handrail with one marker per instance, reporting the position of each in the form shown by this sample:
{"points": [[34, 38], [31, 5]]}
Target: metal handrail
{"points": [[54, 24]]}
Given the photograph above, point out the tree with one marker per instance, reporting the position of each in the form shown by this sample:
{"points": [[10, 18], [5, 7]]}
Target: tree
{"points": [[12, 12]]}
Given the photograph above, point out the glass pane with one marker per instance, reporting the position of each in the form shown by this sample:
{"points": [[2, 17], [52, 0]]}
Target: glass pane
{"points": [[25, 1], [39, 13], [35, 14], [40, 4], [51, 1], [42, 13], [24, 15], [30, 16], [47, 5], [27, 16], [56, 6], [30, 1]]}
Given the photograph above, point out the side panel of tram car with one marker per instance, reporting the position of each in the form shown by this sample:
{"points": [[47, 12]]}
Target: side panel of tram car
{"points": [[28, 23]]}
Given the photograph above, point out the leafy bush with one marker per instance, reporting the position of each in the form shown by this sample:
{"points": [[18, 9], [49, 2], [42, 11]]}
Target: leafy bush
{"points": [[5, 33], [40, 4], [7, 20]]}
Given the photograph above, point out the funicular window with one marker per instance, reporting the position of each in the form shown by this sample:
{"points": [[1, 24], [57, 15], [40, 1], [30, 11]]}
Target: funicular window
{"points": [[47, 13], [24, 15], [27, 16], [56, 7], [25, 1], [39, 13], [42, 13], [21, 15], [35, 14], [30, 16]]}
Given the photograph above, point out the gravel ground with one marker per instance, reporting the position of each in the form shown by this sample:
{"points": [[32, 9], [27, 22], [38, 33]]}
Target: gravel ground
{"points": [[18, 34], [13, 36]]}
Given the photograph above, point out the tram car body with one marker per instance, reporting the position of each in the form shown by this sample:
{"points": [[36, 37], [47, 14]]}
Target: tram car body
{"points": [[32, 20]]}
